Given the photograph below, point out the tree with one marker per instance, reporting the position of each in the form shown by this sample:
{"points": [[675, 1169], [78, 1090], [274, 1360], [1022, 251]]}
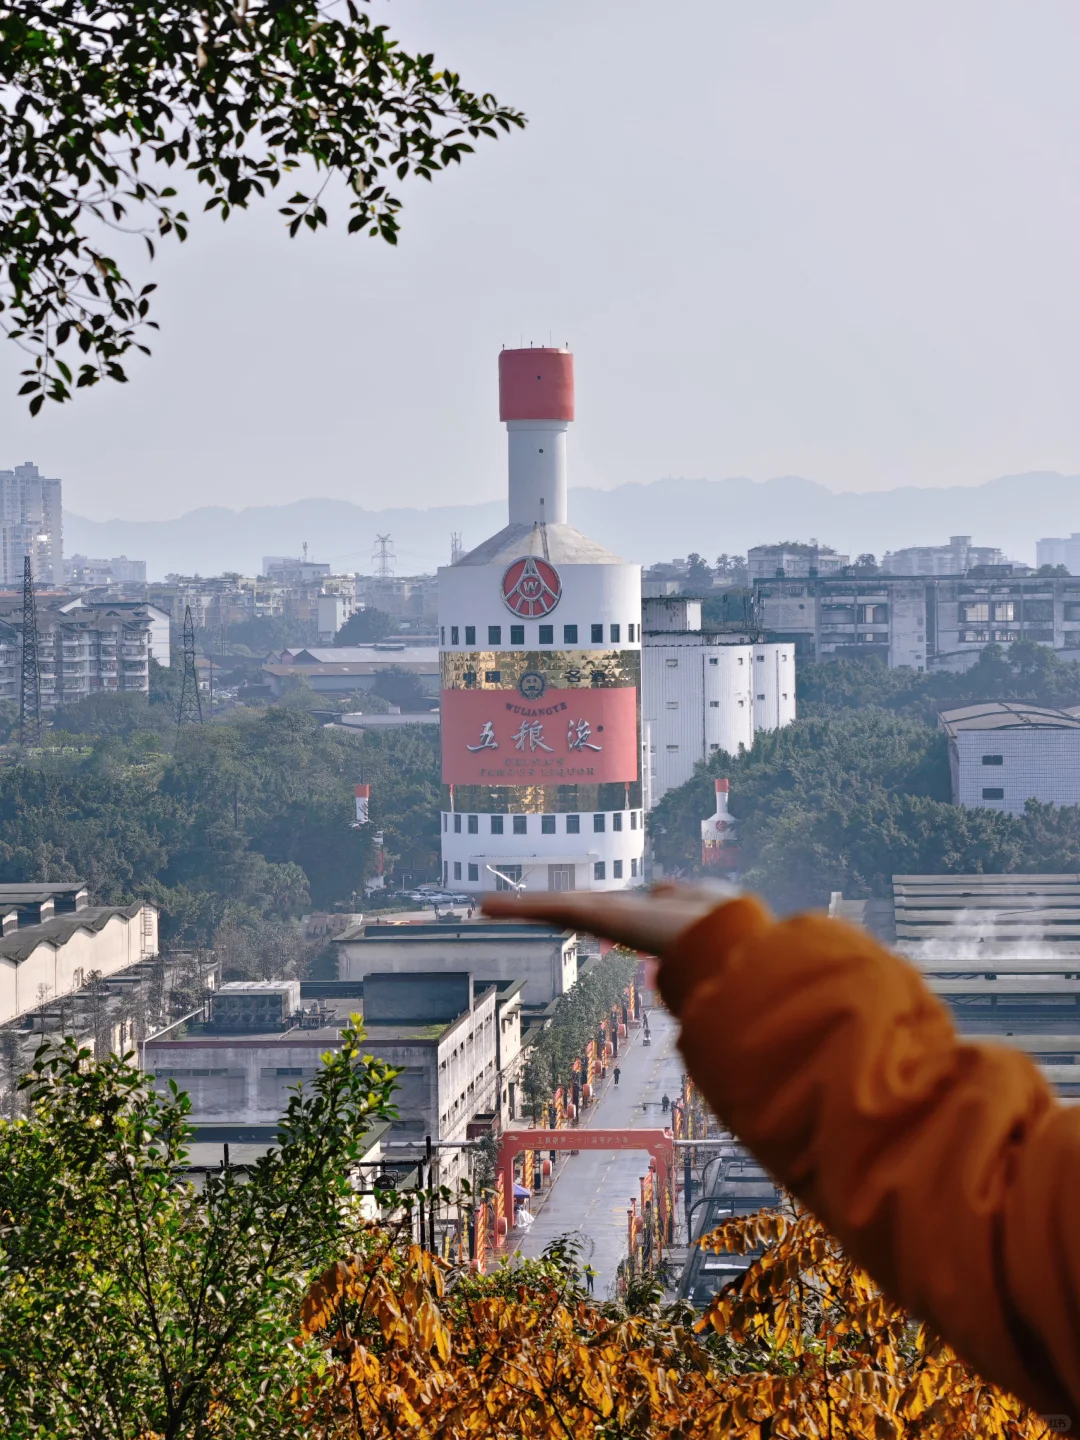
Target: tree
{"points": [[400, 686], [364, 627], [804, 1344], [698, 574], [866, 563], [132, 1302], [101, 94]]}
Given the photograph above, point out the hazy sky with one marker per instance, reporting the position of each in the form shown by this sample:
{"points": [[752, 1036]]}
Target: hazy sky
{"points": [[832, 239]]}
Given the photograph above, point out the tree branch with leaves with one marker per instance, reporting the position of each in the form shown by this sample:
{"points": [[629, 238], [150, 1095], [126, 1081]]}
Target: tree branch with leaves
{"points": [[101, 96]]}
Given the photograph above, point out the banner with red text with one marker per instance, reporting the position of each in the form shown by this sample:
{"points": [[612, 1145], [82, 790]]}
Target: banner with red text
{"points": [[566, 737]]}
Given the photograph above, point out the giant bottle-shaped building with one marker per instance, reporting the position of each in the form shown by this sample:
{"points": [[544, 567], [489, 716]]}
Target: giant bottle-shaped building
{"points": [[540, 644]]}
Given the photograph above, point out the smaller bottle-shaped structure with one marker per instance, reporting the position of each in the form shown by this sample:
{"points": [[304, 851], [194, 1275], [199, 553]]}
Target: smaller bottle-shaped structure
{"points": [[719, 853]]}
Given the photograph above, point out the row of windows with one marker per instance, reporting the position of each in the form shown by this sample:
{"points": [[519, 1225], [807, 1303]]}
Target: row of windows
{"points": [[508, 873], [672, 661], [545, 634], [547, 823]]}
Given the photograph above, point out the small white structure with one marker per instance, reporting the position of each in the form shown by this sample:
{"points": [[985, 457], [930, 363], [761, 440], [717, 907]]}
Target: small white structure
{"points": [[1004, 753]]}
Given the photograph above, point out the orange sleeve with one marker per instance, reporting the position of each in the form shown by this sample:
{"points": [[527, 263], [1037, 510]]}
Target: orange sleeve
{"points": [[948, 1170]]}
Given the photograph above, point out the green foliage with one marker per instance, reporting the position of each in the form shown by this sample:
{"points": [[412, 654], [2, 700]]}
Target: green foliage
{"points": [[574, 1022], [249, 817], [106, 714], [100, 93], [133, 1303], [1024, 671], [399, 686], [364, 627], [729, 607], [260, 636], [844, 801]]}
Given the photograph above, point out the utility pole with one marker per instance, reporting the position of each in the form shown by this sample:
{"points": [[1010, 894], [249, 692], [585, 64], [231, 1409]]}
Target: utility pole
{"points": [[30, 694], [190, 712], [456, 547], [381, 557]]}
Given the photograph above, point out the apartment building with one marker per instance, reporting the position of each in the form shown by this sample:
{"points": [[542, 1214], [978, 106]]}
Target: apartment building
{"points": [[927, 623], [771, 562], [1060, 550], [956, 558], [81, 651], [83, 571], [31, 523]]}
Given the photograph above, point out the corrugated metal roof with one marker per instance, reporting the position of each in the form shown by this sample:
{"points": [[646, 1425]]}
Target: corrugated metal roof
{"points": [[1008, 715]]}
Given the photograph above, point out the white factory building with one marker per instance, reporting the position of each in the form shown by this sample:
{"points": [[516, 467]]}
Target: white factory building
{"points": [[540, 651], [702, 692], [1004, 753]]}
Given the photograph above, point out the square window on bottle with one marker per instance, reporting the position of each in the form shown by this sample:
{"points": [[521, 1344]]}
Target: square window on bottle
{"points": [[616, 869], [474, 872], [442, 634], [521, 824], [569, 634], [616, 631], [599, 823], [474, 824], [573, 824], [616, 821], [457, 869], [598, 634], [547, 824], [494, 634], [454, 635], [496, 824], [547, 634], [633, 867], [599, 870], [517, 634], [470, 634], [457, 824], [633, 819]]}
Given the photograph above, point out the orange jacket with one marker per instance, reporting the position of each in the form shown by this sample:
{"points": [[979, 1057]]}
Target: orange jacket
{"points": [[947, 1169]]}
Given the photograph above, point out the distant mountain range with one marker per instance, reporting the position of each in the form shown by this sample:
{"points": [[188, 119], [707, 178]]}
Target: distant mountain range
{"points": [[645, 523]]}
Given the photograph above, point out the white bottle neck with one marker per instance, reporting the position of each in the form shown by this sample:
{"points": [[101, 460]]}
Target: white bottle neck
{"points": [[537, 467]]}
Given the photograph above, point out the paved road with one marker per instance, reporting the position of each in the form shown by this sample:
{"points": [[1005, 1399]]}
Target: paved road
{"points": [[592, 1193]]}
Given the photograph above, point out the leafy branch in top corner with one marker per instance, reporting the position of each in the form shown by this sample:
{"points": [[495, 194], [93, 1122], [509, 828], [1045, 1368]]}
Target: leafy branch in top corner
{"points": [[99, 93]]}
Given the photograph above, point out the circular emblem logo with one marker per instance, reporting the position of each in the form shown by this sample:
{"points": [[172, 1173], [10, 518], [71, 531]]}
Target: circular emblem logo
{"points": [[531, 587], [532, 685]]}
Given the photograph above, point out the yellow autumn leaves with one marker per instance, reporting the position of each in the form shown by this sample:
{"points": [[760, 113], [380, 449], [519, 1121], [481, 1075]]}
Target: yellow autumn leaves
{"points": [[803, 1346]]}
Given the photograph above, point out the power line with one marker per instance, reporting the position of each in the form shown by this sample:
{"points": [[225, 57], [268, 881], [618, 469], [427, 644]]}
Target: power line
{"points": [[30, 695], [190, 712]]}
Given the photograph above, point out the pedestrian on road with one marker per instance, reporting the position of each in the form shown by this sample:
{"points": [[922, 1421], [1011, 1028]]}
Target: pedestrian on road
{"points": [[590, 1277], [618, 1072], [665, 1104], [945, 1167]]}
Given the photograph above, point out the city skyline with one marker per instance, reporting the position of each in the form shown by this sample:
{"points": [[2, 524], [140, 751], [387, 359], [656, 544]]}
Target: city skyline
{"points": [[839, 247]]}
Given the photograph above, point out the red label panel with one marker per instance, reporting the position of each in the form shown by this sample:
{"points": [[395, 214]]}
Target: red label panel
{"points": [[495, 737]]}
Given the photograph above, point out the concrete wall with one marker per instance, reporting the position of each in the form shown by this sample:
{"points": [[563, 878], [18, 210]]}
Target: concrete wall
{"points": [[774, 686], [50, 970], [1035, 764], [426, 997], [696, 698], [547, 964]]}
